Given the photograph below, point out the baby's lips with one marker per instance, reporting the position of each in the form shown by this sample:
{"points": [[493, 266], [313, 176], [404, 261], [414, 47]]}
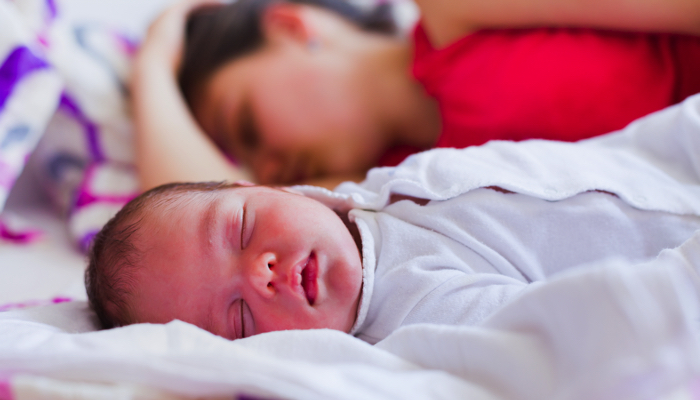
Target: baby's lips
{"points": [[309, 277], [296, 278]]}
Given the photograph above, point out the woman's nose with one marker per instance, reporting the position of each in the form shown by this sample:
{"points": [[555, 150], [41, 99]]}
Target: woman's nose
{"points": [[262, 274]]}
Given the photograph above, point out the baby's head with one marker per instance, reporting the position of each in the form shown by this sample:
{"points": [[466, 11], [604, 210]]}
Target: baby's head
{"points": [[234, 260]]}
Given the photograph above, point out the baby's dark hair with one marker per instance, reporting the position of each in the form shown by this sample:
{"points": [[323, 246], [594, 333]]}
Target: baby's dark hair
{"points": [[217, 35], [115, 255]]}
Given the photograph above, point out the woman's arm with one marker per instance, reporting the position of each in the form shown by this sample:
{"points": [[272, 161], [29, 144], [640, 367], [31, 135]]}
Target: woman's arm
{"points": [[448, 20], [170, 145]]}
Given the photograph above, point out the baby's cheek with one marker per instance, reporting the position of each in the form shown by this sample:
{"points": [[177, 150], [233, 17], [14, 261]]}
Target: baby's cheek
{"points": [[346, 284], [285, 321]]}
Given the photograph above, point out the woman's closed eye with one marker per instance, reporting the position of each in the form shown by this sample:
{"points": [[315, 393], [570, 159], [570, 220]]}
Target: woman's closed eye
{"points": [[249, 137]]}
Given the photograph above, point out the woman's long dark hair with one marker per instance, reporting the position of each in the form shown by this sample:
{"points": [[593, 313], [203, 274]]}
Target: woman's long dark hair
{"points": [[215, 36]]}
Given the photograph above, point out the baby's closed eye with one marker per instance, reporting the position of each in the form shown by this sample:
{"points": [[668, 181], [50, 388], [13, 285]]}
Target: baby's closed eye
{"points": [[243, 323]]}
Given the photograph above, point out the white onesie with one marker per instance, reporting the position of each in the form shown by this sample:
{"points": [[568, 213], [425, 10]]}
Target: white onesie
{"points": [[502, 216]]}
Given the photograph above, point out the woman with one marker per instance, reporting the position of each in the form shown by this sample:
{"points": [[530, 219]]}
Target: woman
{"points": [[319, 95]]}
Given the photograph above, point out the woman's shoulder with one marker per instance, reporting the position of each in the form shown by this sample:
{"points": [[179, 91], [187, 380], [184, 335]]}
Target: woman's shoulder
{"points": [[539, 36], [516, 50]]}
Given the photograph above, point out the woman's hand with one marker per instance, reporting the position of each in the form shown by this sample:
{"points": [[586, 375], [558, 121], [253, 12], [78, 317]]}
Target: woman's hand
{"points": [[170, 145], [164, 42]]}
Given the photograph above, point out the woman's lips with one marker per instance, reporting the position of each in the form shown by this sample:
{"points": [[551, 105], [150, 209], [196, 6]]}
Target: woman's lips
{"points": [[309, 275]]}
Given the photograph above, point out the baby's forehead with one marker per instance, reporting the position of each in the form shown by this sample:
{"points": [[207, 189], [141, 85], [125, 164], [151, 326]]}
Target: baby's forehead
{"points": [[172, 208], [175, 218], [192, 199]]}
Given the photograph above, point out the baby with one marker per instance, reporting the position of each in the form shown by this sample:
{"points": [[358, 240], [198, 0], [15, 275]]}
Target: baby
{"points": [[234, 259], [448, 236]]}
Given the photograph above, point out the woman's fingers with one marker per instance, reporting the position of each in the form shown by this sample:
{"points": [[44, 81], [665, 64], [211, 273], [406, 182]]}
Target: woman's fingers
{"points": [[165, 38], [181, 9]]}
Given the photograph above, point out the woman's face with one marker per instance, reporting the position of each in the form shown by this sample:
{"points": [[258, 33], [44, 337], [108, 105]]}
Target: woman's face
{"points": [[292, 112]]}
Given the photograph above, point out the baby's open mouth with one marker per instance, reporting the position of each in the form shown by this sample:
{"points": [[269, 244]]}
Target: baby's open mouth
{"points": [[309, 275]]}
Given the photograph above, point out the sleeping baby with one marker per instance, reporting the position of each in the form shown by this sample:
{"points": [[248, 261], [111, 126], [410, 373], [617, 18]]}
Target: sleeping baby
{"points": [[449, 236]]}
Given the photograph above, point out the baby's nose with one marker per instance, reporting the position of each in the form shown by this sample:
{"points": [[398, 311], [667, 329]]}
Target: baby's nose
{"points": [[263, 274]]}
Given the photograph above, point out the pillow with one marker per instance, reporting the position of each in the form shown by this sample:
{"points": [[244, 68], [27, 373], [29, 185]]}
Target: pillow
{"points": [[65, 85]]}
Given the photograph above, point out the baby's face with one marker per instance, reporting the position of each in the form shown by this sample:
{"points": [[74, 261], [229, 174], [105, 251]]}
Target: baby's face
{"points": [[245, 261]]}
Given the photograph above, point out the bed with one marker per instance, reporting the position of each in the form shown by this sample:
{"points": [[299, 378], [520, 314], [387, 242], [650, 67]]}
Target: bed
{"points": [[644, 345]]}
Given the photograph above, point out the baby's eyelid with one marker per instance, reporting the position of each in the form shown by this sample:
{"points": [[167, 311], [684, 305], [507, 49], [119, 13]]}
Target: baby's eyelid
{"points": [[242, 319], [248, 328], [237, 319], [247, 226]]}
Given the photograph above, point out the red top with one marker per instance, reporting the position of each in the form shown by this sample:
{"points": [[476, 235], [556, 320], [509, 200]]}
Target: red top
{"points": [[551, 83]]}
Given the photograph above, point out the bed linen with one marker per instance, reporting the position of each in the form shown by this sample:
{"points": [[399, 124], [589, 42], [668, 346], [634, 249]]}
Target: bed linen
{"points": [[63, 99]]}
